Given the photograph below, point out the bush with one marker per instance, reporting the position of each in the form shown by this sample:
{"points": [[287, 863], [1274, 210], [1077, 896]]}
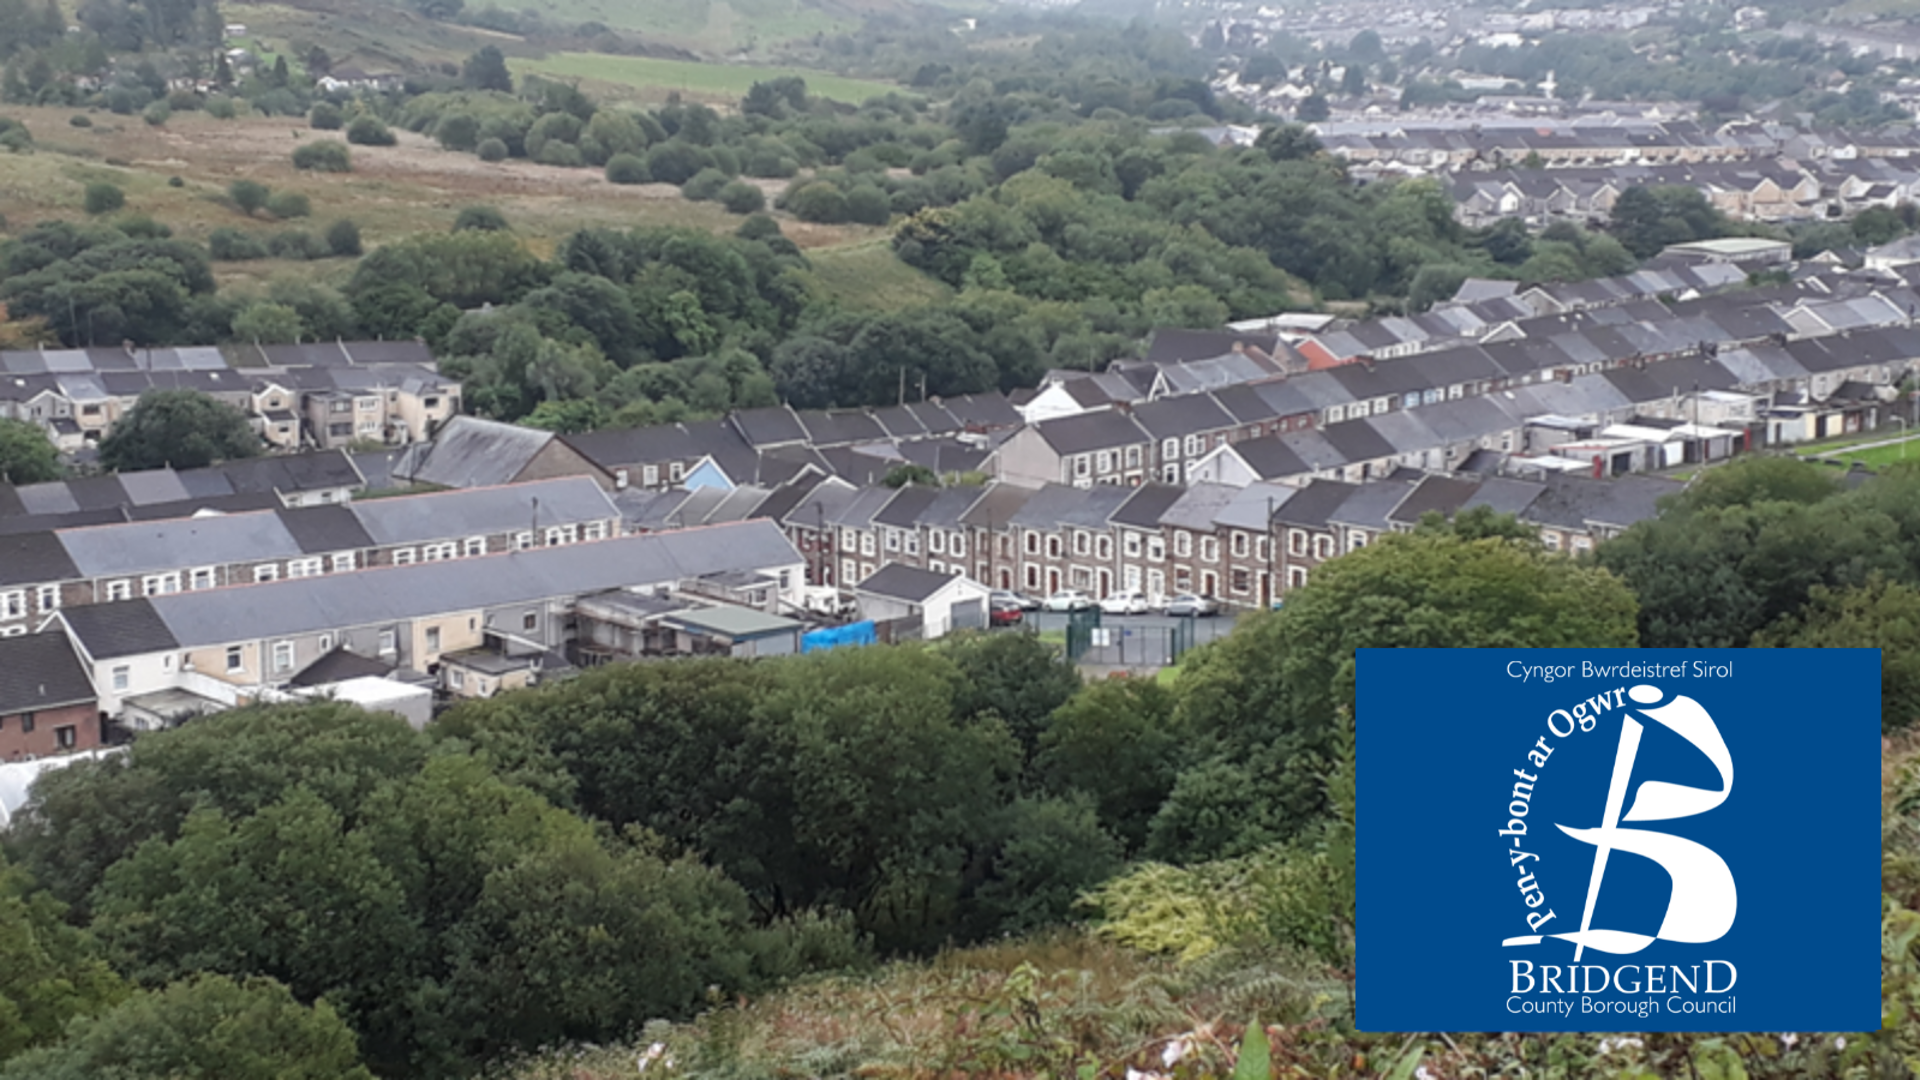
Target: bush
{"points": [[296, 244], [104, 198], [457, 131], [227, 244], [248, 195], [289, 204], [483, 218], [80, 120], [157, 114], [343, 238], [326, 116], [741, 197], [369, 131], [559, 153], [770, 165], [675, 162], [174, 181], [491, 150], [222, 108], [184, 101], [121, 100], [705, 185], [142, 227], [626, 169], [868, 205], [818, 201], [323, 157]]}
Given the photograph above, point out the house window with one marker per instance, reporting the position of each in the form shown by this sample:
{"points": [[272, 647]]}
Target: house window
{"points": [[1239, 544], [913, 543], [13, 605], [562, 534], [1552, 540], [1296, 542], [1133, 457], [457, 677], [1080, 543], [1156, 548], [937, 542], [1103, 547], [1296, 576], [1170, 449], [1242, 581], [675, 471], [326, 643], [121, 676], [120, 590], [282, 656], [866, 543], [388, 642], [201, 578], [1323, 547], [937, 566], [476, 545], [893, 540], [1335, 414], [403, 557], [1171, 473], [1033, 577], [1033, 543], [958, 545], [530, 621], [64, 735], [433, 639], [650, 475], [1131, 545], [298, 568], [1210, 548], [849, 571], [522, 541], [1104, 464], [1195, 444], [1182, 544], [620, 478], [1356, 540], [236, 659], [1581, 543], [343, 563], [1053, 547], [49, 597], [596, 530], [440, 552], [26, 722]]}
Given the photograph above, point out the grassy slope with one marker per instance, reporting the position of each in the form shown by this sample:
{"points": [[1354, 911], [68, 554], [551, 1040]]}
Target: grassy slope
{"points": [[866, 276], [648, 79]]}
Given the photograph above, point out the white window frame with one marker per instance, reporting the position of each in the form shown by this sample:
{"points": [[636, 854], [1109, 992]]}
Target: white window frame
{"points": [[160, 584], [595, 530], [476, 545], [312, 566], [344, 562], [562, 534], [522, 541], [13, 604], [282, 656], [403, 556], [326, 644], [1182, 545], [1195, 445], [432, 640], [1156, 548], [957, 546], [48, 597], [236, 658], [1103, 462], [201, 577], [121, 589], [266, 572], [1130, 544], [122, 677], [389, 642], [649, 475], [1209, 549]]}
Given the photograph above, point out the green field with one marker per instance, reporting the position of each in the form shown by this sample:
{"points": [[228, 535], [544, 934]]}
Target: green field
{"points": [[652, 78], [867, 277], [1881, 456]]}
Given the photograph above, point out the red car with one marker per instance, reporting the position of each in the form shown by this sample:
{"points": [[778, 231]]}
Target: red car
{"points": [[1005, 613]]}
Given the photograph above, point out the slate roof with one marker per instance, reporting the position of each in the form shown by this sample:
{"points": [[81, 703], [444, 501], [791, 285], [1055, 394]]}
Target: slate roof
{"points": [[324, 528], [997, 508], [1314, 504], [125, 628], [471, 452], [1172, 346], [1177, 417], [479, 511], [1148, 502], [1505, 495], [1197, 508], [949, 508], [1369, 505], [1250, 508], [1435, 494], [34, 558], [147, 546], [41, 671], [898, 581], [339, 666], [1086, 432], [1269, 457], [1575, 502]]}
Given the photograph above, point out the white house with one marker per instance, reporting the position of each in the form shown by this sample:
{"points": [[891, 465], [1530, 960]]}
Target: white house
{"points": [[943, 602]]}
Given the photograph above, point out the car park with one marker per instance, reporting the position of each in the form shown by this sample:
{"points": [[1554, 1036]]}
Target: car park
{"points": [[1005, 613], [1125, 602], [1019, 600], [1190, 604], [1069, 600]]}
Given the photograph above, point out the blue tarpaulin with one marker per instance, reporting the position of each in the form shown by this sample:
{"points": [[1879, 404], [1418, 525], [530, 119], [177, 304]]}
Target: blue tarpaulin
{"points": [[860, 633]]}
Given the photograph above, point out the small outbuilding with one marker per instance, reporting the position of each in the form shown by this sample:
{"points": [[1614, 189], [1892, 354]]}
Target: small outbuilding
{"points": [[942, 602]]}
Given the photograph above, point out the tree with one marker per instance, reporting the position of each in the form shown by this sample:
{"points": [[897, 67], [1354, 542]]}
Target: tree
{"points": [[181, 429], [289, 204], [1118, 743], [27, 456], [1882, 615], [1263, 708], [48, 971], [211, 1025], [483, 218], [104, 198], [627, 169], [343, 238], [265, 323], [249, 195], [487, 70], [740, 197], [369, 131], [1647, 219], [1313, 109]]}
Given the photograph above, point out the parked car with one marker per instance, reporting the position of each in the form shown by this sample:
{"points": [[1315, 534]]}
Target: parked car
{"points": [[1125, 602], [1004, 613], [1069, 600], [1191, 604], [1019, 600]]}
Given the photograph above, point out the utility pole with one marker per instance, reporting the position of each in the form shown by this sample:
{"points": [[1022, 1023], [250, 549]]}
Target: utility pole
{"points": [[1272, 541]]}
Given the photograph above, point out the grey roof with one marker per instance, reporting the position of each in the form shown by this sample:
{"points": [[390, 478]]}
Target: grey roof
{"points": [[1269, 457], [904, 509], [127, 627], [286, 473], [859, 510], [471, 452], [1079, 434], [646, 510], [1254, 506], [1046, 508], [823, 504], [1370, 504], [949, 509], [658, 444], [769, 426], [478, 511], [33, 558], [1199, 506], [898, 581], [41, 671], [1097, 508], [998, 507], [398, 593], [1171, 345], [1575, 502], [324, 528], [1505, 495], [1314, 504], [1176, 417], [339, 666], [147, 546], [1436, 494], [1148, 502]]}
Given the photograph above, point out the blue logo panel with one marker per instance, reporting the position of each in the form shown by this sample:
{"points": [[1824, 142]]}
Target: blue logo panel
{"points": [[1618, 840]]}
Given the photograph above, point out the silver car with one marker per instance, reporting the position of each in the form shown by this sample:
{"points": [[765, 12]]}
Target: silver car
{"points": [[1188, 604]]}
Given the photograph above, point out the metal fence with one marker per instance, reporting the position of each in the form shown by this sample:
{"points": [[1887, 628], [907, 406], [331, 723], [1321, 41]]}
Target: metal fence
{"points": [[1128, 645]]}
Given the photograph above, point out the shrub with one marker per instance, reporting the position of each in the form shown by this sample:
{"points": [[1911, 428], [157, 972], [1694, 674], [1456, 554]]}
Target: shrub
{"points": [[626, 169], [80, 120], [457, 131], [675, 162], [104, 198], [369, 131], [491, 150], [289, 204], [818, 201], [16, 140], [559, 153], [343, 238], [184, 101], [483, 218], [121, 101], [705, 185], [296, 244], [248, 195], [174, 181], [142, 227], [758, 227], [157, 114], [228, 244], [741, 197], [868, 205], [326, 156], [326, 116], [222, 108]]}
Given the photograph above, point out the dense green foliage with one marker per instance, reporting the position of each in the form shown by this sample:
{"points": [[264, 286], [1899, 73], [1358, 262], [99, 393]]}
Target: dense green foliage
{"points": [[27, 456], [181, 429]]}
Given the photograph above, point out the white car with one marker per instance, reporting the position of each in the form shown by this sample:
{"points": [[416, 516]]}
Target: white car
{"points": [[1125, 602], [1068, 600]]}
